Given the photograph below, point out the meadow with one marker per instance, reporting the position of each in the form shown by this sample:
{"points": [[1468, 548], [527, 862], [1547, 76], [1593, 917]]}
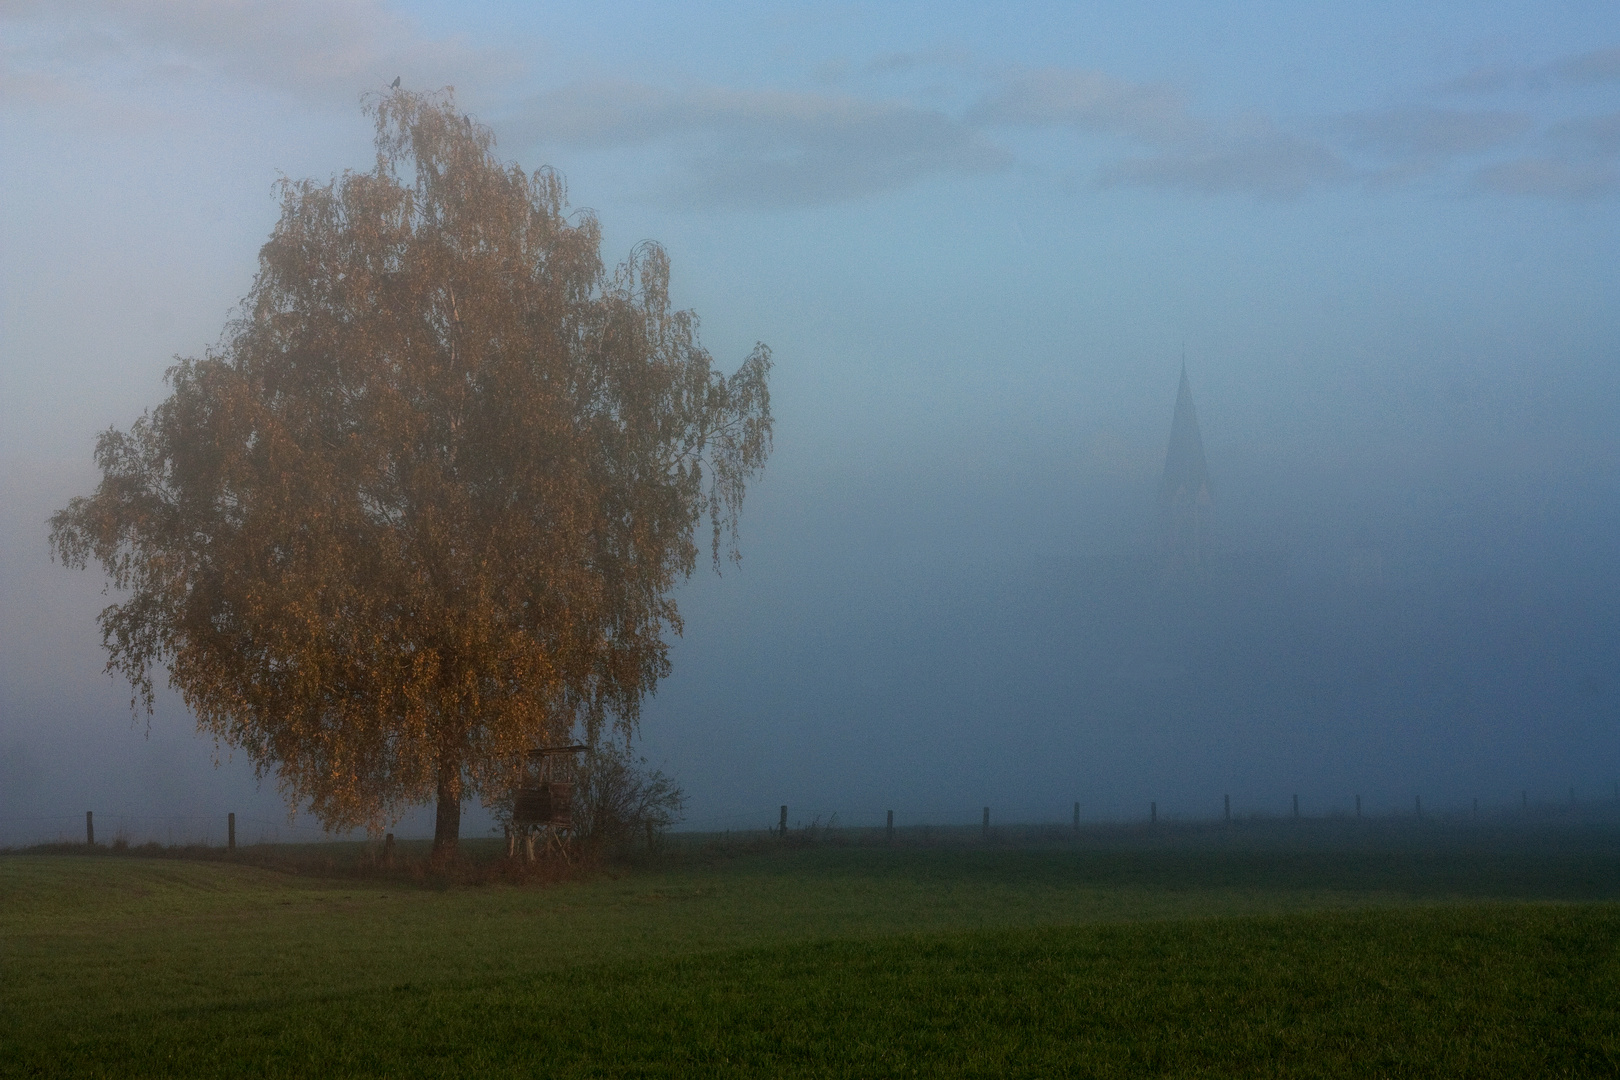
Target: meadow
{"points": [[1282, 949]]}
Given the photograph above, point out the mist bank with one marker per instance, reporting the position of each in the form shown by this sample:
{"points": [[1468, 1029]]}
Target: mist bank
{"points": [[985, 620], [911, 642]]}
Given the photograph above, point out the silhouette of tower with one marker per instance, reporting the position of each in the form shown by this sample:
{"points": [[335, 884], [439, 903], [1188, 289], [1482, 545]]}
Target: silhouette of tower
{"points": [[1184, 492]]}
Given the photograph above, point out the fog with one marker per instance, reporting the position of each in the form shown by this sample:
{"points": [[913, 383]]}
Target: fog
{"points": [[953, 591], [931, 645]]}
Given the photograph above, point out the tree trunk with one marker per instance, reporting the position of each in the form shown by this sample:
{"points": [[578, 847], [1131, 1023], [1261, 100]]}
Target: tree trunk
{"points": [[447, 823]]}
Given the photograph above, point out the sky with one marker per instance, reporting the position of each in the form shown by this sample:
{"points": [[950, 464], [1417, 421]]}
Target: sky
{"points": [[981, 240]]}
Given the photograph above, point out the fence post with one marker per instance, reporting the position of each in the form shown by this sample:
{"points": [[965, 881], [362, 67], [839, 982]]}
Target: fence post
{"points": [[388, 849], [782, 827], [230, 831], [1228, 812], [890, 829], [987, 823], [90, 828]]}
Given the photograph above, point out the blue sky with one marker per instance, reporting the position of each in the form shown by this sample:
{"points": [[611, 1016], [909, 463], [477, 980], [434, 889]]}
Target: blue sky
{"points": [[978, 239]]}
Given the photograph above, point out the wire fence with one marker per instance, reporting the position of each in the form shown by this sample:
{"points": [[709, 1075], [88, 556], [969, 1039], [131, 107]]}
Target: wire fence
{"points": [[170, 830], [210, 830], [1603, 808]]}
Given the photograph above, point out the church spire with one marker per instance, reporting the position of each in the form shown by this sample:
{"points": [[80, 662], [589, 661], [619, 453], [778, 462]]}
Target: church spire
{"points": [[1185, 474], [1184, 490]]}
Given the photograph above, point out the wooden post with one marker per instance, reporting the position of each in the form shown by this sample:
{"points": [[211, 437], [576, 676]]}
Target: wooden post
{"points": [[1296, 807], [1077, 818], [891, 827], [90, 828], [230, 831], [1228, 813], [987, 823], [782, 828], [1153, 813], [388, 849]]}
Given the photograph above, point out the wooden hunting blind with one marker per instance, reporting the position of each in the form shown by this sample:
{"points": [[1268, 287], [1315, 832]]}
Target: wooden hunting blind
{"points": [[543, 803]]}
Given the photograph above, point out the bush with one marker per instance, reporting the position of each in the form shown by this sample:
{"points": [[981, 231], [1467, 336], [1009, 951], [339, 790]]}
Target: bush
{"points": [[618, 801]]}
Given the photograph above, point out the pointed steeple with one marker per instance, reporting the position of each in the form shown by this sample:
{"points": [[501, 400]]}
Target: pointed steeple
{"points": [[1186, 477]]}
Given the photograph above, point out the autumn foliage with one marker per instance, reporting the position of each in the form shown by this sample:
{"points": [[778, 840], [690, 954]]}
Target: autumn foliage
{"points": [[425, 503]]}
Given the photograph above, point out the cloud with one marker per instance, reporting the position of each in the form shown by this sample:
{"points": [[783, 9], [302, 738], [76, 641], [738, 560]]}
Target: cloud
{"points": [[890, 66], [764, 147], [1087, 101], [1577, 155], [1274, 164], [775, 147], [1598, 66], [600, 114], [1602, 65], [768, 147], [902, 63], [1191, 154], [771, 147], [1551, 178], [20, 84], [778, 147], [309, 48], [1595, 135], [1427, 134], [1487, 80]]}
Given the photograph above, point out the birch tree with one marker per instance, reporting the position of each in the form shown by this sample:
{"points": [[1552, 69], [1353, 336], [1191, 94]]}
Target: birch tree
{"points": [[425, 503]]}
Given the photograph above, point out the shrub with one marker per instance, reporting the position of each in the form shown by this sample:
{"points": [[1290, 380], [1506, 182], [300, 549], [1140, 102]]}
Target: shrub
{"points": [[618, 801]]}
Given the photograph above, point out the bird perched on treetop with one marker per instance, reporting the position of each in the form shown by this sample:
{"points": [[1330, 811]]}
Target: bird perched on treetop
{"points": [[395, 84]]}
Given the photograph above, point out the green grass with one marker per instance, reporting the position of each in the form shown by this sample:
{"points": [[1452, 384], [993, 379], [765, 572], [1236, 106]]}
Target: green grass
{"points": [[1154, 956]]}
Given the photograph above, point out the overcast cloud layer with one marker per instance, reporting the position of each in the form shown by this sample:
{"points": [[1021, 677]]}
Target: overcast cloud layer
{"points": [[980, 242], [852, 130]]}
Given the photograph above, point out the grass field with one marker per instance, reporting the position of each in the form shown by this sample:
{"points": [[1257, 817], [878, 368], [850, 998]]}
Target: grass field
{"points": [[1262, 952]]}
